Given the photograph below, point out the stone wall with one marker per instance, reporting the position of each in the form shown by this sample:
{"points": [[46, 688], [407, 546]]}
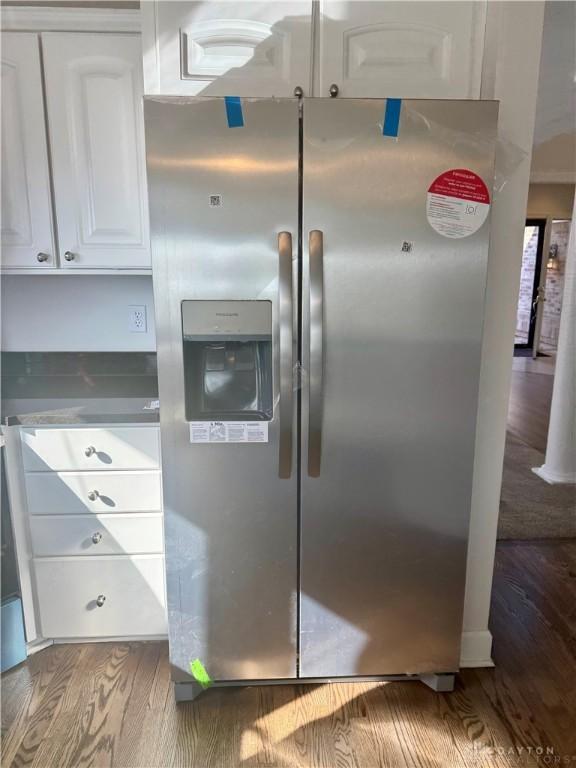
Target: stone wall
{"points": [[526, 285], [554, 288]]}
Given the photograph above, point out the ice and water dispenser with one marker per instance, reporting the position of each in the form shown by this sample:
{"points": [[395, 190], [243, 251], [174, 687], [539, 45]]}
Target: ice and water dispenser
{"points": [[227, 360]]}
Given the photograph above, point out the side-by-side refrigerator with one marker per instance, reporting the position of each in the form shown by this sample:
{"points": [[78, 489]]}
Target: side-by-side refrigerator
{"points": [[319, 274]]}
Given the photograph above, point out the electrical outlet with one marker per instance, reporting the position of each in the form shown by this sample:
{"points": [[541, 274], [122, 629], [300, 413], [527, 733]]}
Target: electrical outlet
{"points": [[137, 319]]}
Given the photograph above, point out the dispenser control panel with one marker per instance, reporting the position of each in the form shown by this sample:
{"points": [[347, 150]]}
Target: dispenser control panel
{"points": [[251, 319], [227, 349]]}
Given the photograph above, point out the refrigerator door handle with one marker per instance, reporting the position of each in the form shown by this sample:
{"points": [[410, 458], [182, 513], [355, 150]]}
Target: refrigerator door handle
{"points": [[286, 343], [316, 256]]}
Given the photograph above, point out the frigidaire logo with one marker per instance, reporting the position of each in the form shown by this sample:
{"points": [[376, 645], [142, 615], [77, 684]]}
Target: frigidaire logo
{"points": [[226, 314]]}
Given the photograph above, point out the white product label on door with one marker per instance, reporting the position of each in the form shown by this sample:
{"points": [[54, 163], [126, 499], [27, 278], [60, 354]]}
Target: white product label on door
{"points": [[228, 431], [457, 203]]}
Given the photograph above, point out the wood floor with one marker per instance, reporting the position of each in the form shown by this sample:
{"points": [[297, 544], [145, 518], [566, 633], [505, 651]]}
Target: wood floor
{"points": [[112, 705], [529, 407]]}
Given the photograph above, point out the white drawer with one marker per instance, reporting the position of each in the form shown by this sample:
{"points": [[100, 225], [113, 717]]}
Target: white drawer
{"points": [[96, 535], [75, 493], [133, 588], [67, 448]]}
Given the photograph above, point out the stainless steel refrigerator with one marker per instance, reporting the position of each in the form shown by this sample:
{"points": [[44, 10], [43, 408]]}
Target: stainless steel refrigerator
{"points": [[319, 274]]}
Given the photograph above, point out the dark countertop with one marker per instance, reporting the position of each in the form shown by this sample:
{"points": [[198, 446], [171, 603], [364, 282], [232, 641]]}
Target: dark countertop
{"points": [[104, 410]]}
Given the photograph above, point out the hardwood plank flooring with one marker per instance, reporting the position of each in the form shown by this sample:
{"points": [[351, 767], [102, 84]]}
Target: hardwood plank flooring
{"points": [[529, 507], [529, 407], [112, 704]]}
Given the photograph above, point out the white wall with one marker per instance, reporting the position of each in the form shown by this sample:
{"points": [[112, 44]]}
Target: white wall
{"points": [[510, 74], [51, 313], [554, 156], [553, 200]]}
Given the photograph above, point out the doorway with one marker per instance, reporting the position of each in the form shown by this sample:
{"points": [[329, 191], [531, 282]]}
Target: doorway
{"points": [[529, 294], [529, 507]]}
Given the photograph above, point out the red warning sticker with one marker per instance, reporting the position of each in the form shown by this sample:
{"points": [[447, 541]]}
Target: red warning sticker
{"points": [[457, 203]]}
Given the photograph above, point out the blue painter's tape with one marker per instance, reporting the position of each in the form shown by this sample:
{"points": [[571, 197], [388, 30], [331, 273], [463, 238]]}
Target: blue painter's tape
{"points": [[392, 117], [234, 111]]}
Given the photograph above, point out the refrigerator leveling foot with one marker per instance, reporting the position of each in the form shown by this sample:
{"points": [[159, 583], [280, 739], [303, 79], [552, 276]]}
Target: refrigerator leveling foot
{"points": [[443, 683], [187, 691]]}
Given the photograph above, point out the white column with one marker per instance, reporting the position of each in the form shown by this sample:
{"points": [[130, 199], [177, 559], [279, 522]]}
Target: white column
{"points": [[560, 463]]}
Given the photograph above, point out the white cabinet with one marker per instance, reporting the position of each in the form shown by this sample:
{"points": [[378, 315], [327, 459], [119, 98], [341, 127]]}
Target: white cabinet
{"points": [[368, 49], [74, 535], [76, 493], [227, 49], [95, 119], [64, 449], [87, 519], [27, 236], [96, 597], [404, 49]]}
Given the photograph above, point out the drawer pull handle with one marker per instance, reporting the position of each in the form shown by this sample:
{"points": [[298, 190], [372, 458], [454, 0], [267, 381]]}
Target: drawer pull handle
{"points": [[93, 495], [96, 537], [90, 451], [100, 600], [69, 256]]}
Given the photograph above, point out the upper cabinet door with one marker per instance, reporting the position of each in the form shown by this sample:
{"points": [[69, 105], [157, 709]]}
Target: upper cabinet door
{"points": [[227, 49], [401, 49], [27, 234], [95, 119]]}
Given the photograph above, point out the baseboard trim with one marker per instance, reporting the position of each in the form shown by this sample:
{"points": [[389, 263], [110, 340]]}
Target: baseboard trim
{"points": [[37, 645], [476, 649]]}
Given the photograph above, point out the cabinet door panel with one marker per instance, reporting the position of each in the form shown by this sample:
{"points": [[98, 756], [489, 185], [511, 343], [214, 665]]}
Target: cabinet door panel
{"points": [[76, 493], [94, 99], [227, 49], [400, 49], [87, 535], [26, 206], [63, 449], [131, 592]]}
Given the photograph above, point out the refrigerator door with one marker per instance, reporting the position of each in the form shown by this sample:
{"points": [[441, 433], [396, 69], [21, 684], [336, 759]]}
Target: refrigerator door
{"points": [[224, 214], [392, 330]]}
